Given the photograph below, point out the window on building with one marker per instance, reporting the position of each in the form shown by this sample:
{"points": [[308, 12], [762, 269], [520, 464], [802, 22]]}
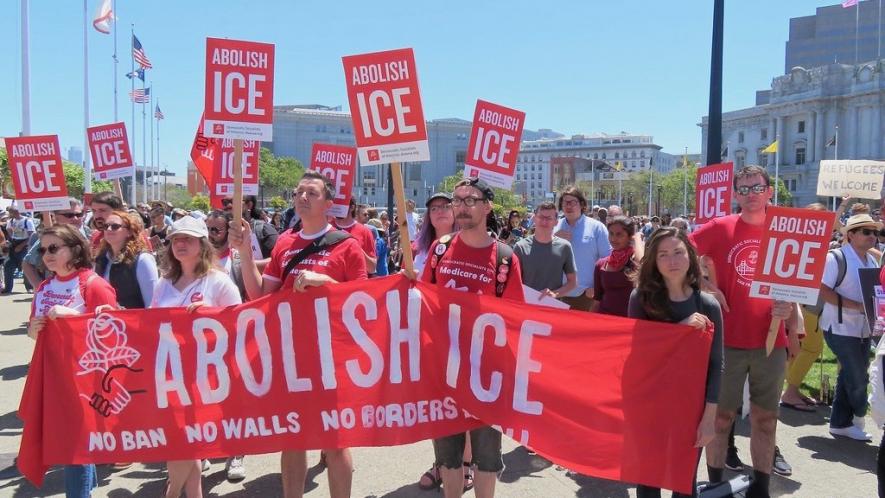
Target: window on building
{"points": [[801, 126], [596, 155], [642, 153], [763, 134], [791, 184], [617, 155], [603, 155], [633, 154], [763, 158], [459, 159], [800, 155], [740, 159], [642, 164], [740, 137]]}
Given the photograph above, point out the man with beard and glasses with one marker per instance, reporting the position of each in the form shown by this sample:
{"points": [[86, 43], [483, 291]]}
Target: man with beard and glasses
{"points": [[103, 204]]}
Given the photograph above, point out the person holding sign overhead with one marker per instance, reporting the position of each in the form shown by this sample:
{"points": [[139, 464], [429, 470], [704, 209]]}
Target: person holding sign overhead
{"points": [[316, 255], [733, 244]]}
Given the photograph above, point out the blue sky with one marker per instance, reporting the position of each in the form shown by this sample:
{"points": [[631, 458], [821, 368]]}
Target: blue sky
{"points": [[577, 67]]}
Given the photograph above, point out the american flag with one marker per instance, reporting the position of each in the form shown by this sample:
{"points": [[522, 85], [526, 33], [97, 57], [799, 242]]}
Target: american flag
{"points": [[140, 95], [158, 113], [139, 55]]}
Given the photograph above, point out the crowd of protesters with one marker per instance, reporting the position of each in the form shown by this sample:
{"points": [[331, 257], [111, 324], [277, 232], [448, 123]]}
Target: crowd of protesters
{"points": [[591, 258]]}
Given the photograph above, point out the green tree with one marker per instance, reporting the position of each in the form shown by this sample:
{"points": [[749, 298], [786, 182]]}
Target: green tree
{"points": [[178, 196], [676, 185], [74, 177], [784, 196], [505, 200], [278, 203], [200, 202], [278, 174]]}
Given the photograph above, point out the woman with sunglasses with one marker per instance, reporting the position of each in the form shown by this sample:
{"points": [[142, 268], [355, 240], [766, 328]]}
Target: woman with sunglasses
{"points": [[191, 280], [124, 260], [73, 290], [668, 290]]}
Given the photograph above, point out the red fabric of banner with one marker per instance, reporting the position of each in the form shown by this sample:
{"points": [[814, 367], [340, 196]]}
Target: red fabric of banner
{"points": [[366, 365]]}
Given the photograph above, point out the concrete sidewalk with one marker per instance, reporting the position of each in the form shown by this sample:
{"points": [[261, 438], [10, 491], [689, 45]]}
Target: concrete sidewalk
{"points": [[823, 466]]}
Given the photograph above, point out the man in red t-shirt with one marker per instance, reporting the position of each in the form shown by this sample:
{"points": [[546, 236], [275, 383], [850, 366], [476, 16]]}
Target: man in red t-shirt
{"points": [[341, 262], [468, 261], [102, 204], [362, 235], [731, 246]]}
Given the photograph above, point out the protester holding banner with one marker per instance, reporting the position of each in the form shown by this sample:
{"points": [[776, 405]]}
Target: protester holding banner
{"points": [[547, 261], [124, 260], [441, 222], [589, 240], [732, 244], [668, 290], [32, 265], [612, 284], [74, 289], [190, 280], [316, 255], [359, 232], [845, 326], [473, 261]]}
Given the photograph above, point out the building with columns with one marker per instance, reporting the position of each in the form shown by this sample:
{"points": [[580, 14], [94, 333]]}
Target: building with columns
{"points": [[803, 111]]}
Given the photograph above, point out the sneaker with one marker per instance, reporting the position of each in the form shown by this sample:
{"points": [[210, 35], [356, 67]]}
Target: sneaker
{"points": [[780, 466], [851, 432], [235, 469], [859, 422], [733, 461], [206, 465]]}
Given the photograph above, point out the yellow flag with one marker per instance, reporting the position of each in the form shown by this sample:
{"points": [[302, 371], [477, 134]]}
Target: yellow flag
{"points": [[771, 148], [617, 165]]}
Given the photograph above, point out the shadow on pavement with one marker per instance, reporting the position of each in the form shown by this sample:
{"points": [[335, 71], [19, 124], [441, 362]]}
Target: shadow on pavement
{"points": [[10, 421], [519, 463], [780, 485], [795, 418], [855, 454], [20, 487], [592, 487], [21, 330], [13, 373], [411, 491]]}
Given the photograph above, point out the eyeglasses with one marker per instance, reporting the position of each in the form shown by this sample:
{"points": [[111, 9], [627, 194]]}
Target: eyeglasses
{"points": [[571, 202], [71, 214], [113, 227], [867, 231], [52, 249], [469, 201], [227, 202], [756, 189], [443, 208], [215, 230]]}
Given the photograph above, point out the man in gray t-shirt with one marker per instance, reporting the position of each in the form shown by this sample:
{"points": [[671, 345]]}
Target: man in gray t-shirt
{"points": [[546, 259]]}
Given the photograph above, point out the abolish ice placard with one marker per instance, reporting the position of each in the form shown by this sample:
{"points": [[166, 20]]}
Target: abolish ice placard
{"points": [[861, 179], [793, 252], [713, 191], [385, 105], [239, 90], [337, 163], [37, 173], [109, 147], [223, 167], [494, 144]]}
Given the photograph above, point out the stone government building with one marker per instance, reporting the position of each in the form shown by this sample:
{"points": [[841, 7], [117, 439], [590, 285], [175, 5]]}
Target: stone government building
{"points": [[803, 107]]}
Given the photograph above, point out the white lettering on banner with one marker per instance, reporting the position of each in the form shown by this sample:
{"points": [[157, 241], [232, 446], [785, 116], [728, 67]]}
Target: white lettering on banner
{"points": [[490, 155], [410, 335], [376, 360], [109, 154], [453, 365], [408, 414], [141, 439], [380, 73], [99, 135], [495, 118], [257, 389], [29, 172], [712, 202], [333, 158], [205, 431], [39, 149], [239, 58], [496, 322], [215, 358], [337, 177], [335, 419], [798, 226], [713, 177], [248, 165], [238, 80], [169, 356], [233, 428], [525, 365], [324, 338], [293, 382], [778, 251], [370, 111]]}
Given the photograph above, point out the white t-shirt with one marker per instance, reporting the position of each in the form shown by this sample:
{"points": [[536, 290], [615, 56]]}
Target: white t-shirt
{"points": [[412, 224], [214, 289], [20, 229], [854, 322]]}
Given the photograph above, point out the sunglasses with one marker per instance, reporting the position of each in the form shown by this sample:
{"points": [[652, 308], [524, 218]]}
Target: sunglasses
{"points": [[867, 231], [756, 189], [71, 214], [113, 227], [215, 230], [227, 202], [52, 249]]}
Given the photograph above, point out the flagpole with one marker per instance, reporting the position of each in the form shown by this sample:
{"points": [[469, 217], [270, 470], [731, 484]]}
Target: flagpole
{"points": [[153, 165], [685, 183], [144, 144], [87, 166], [856, 29], [777, 165], [158, 161], [132, 198], [26, 71], [836, 157], [116, 61]]}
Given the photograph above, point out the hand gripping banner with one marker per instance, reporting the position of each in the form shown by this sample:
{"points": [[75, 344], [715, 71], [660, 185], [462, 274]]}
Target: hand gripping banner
{"points": [[377, 363]]}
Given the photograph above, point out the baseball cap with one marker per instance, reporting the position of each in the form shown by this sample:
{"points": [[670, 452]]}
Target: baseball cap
{"points": [[189, 226], [482, 186], [438, 195]]}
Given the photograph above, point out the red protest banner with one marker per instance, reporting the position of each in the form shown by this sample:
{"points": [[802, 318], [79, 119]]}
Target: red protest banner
{"points": [[109, 147], [366, 365], [793, 253], [37, 173], [203, 153], [494, 144], [223, 168], [713, 189], [239, 89], [385, 105], [337, 163]]}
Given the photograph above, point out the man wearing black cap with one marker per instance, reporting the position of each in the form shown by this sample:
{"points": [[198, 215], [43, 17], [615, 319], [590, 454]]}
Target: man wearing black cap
{"points": [[473, 261]]}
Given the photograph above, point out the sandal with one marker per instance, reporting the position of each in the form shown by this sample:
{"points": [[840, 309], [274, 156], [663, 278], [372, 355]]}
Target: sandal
{"points": [[468, 477], [430, 479]]}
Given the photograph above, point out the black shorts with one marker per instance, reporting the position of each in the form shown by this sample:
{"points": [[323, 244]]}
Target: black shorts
{"points": [[486, 446]]}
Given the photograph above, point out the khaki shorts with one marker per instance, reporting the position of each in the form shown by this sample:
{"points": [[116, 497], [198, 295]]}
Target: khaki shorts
{"points": [[766, 374]]}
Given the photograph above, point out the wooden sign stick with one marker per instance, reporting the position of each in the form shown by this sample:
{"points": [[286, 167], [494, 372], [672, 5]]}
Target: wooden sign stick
{"points": [[399, 192]]}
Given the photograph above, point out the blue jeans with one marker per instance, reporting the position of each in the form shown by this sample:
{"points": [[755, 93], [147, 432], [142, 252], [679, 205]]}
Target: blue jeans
{"points": [[13, 264], [851, 385], [80, 480]]}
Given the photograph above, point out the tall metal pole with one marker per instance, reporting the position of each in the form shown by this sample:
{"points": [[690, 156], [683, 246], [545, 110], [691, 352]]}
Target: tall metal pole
{"points": [[144, 166], [154, 184], [87, 166], [114, 20], [26, 71], [777, 165], [836, 156], [651, 175], [714, 114], [685, 183], [132, 198]]}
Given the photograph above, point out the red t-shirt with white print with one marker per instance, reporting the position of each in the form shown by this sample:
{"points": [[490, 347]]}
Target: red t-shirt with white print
{"points": [[76, 291], [343, 262], [472, 269]]}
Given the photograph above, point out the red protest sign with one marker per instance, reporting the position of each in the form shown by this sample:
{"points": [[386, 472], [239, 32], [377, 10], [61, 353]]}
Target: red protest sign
{"points": [[37, 173], [239, 89], [713, 191], [337, 163], [203, 153], [494, 144], [793, 252], [223, 167], [109, 147], [385, 105]]}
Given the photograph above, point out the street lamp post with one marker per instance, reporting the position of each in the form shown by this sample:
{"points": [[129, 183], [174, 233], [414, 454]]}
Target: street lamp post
{"points": [[658, 203]]}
